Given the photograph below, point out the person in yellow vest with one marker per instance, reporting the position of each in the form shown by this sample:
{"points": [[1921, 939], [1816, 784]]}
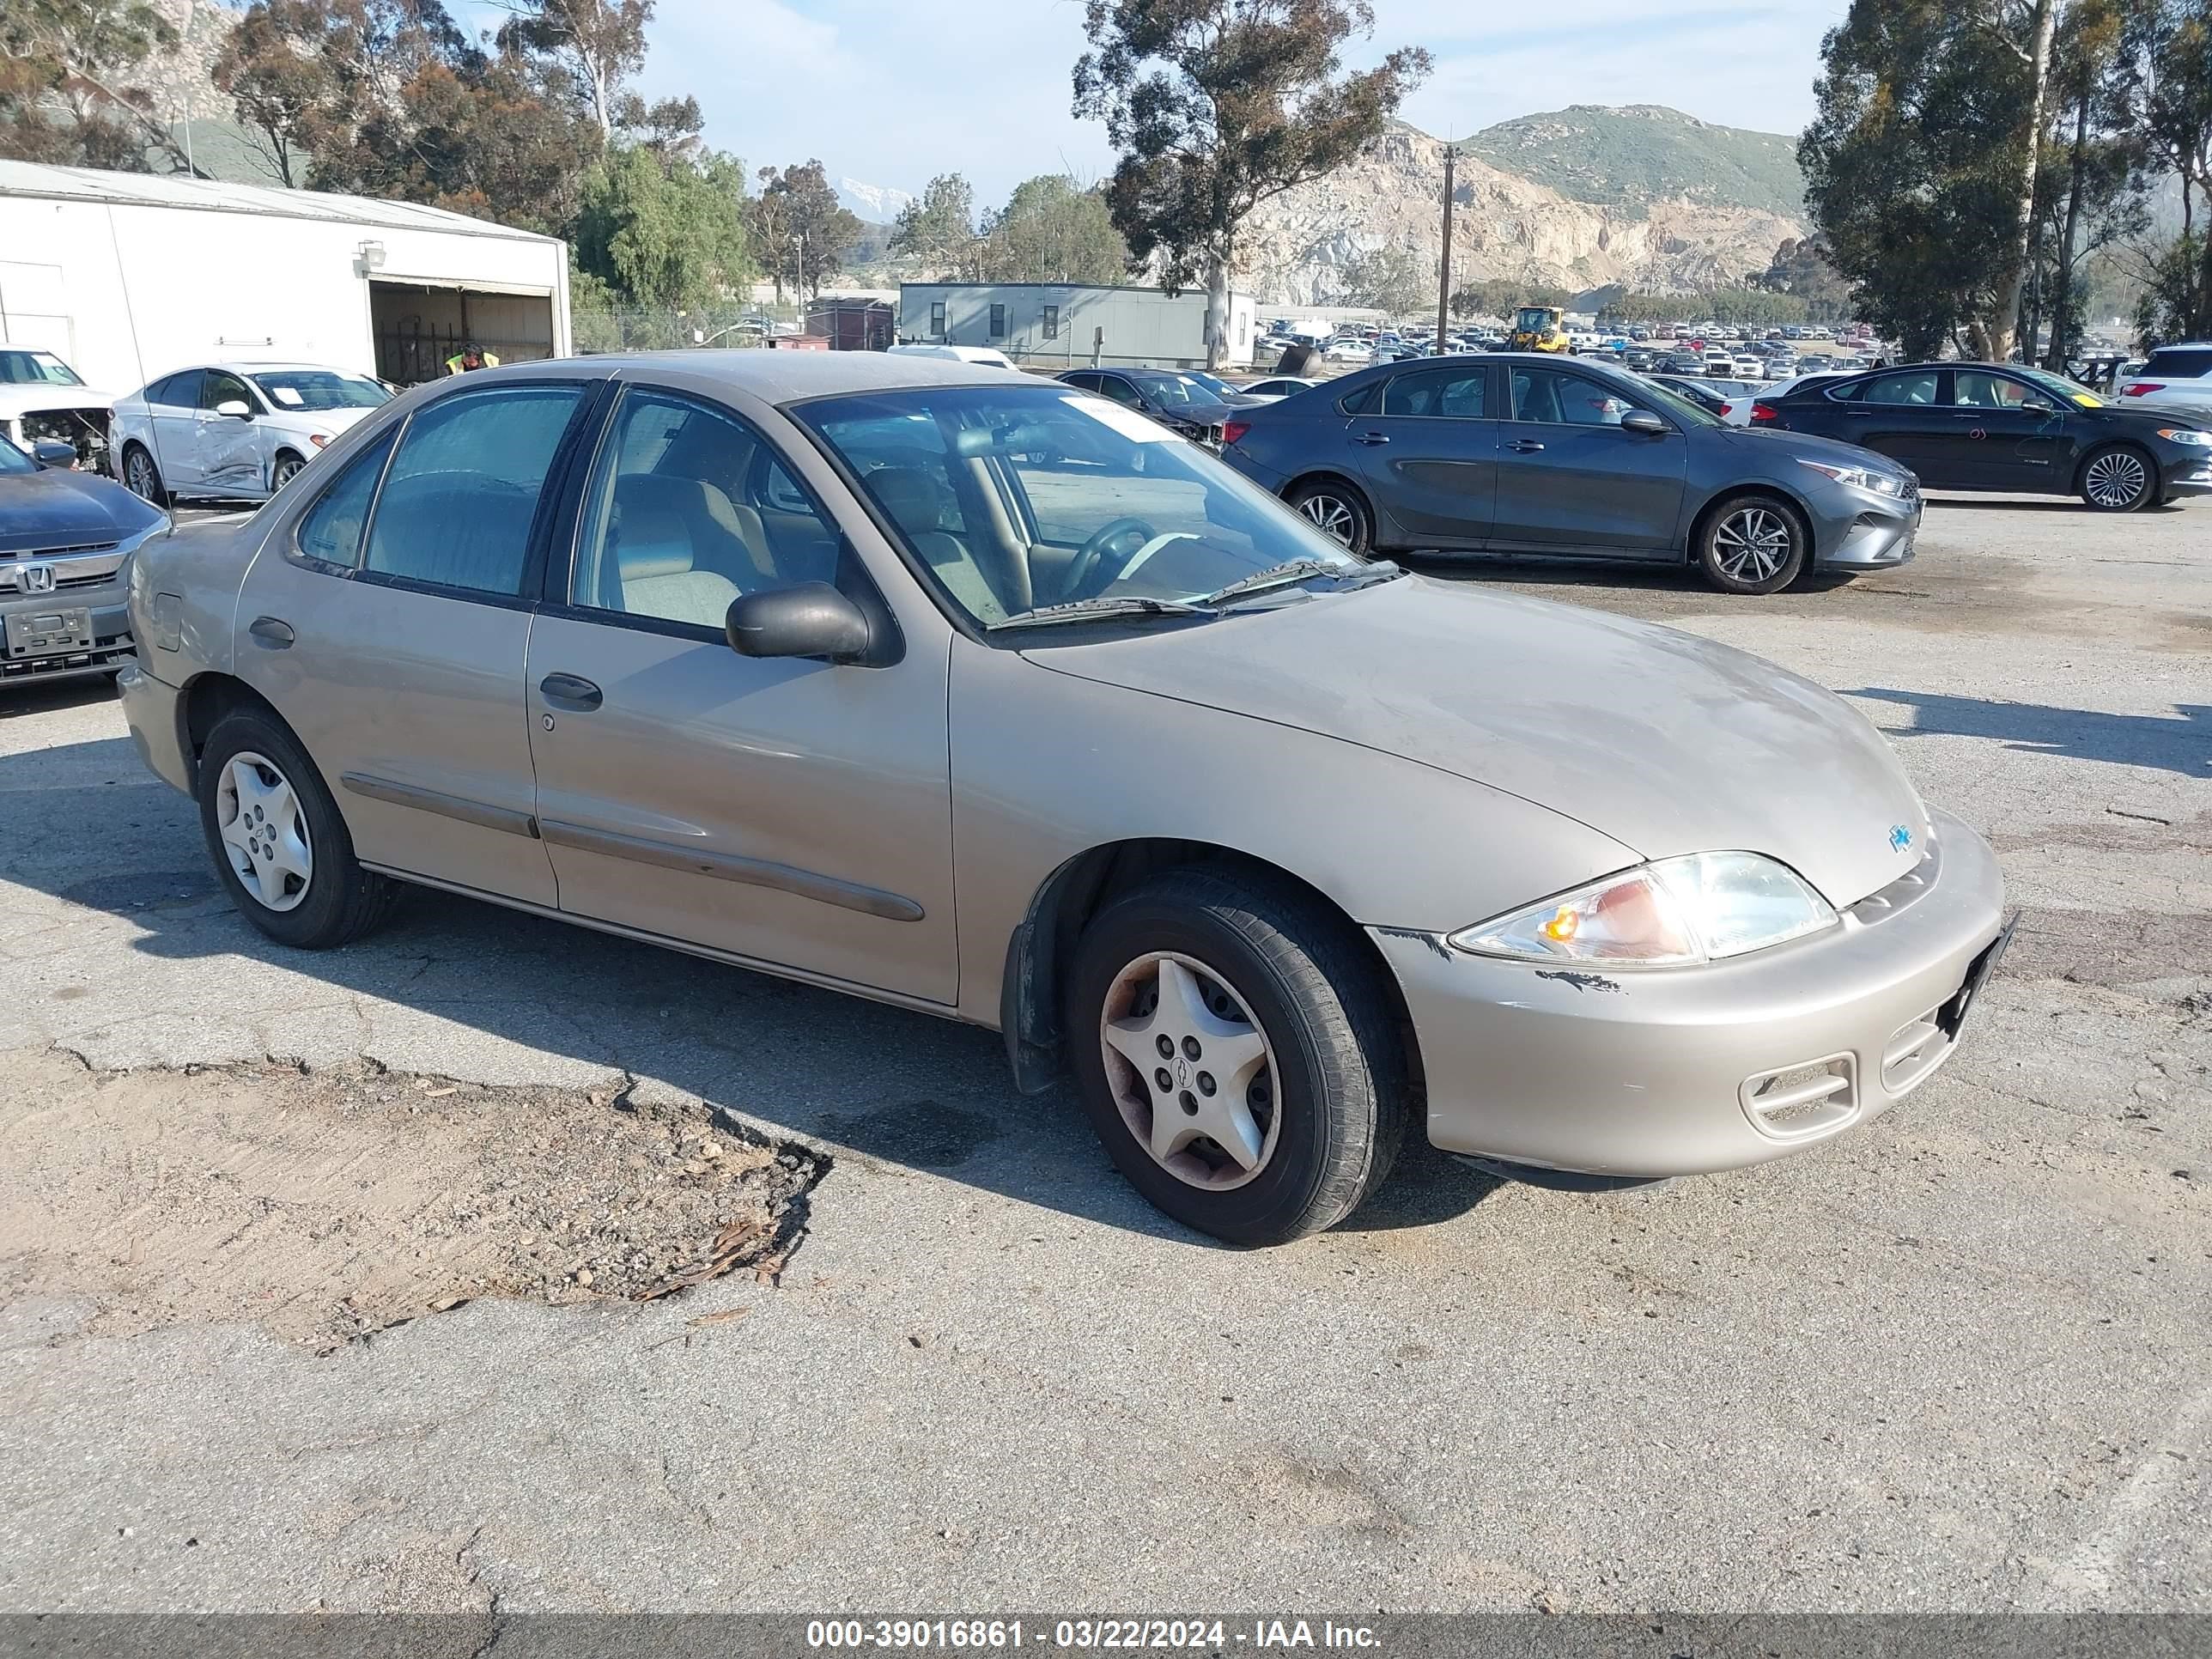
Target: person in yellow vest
{"points": [[469, 356]]}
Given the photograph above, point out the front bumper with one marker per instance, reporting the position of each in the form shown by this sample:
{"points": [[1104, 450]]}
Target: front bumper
{"points": [[1865, 531], [1687, 1071], [108, 649], [2193, 477]]}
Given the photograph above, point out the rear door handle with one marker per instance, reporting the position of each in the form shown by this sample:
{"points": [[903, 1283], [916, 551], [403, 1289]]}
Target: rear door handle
{"points": [[1526, 445], [571, 691], [272, 632], [1371, 438]]}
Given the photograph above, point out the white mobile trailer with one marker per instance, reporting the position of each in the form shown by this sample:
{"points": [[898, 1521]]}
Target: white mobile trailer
{"points": [[127, 275], [1052, 326]]}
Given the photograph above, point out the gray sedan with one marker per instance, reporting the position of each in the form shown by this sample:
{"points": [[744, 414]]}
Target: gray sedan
{"points": [[993, 699], [1527, 455]]}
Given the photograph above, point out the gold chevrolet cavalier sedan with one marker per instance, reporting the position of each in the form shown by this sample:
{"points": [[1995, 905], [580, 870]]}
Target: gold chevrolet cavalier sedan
{"points": [[983, 695]]}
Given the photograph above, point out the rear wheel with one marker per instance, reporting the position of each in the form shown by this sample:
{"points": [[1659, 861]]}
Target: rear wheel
{"points": [[1336, 510], [1236, 1054], [143, 478], [278, 839], [1754, 544], [2118, 479]]}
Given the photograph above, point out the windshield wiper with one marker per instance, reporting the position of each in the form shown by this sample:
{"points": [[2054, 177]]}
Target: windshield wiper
{"points": [[1299, 570], [1077, 610]]}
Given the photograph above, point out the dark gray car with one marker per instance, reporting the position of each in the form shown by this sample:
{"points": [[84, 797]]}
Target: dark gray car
{"points": [[1180, 403], [65, 537], [1524, 454]]}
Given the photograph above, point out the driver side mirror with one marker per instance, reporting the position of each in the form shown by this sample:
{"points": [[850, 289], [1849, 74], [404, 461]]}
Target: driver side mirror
{"points": [[234, 408], [2035, 406], [812, 619], [1644, 422], [54, 451]]}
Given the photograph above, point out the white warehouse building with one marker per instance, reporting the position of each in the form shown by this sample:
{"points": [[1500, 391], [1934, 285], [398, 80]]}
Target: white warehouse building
{"points": [[1057, 325], [127, 275]]}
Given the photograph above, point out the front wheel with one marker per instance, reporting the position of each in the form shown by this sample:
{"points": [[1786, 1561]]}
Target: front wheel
{"points": [[143, 478], [1236, 1054], [1337, 511], [278, 839], [2118, 480], [286, 469], [1754, 544]]}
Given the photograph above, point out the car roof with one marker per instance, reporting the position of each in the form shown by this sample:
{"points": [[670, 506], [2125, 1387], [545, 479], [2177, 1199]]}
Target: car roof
{"points": [[785, 377]]}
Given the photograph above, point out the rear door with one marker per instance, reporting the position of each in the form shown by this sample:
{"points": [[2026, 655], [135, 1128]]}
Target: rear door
{"points": [[1902, 415], [389, 621], [1429, 453], [172, 409], [1571, 478]]}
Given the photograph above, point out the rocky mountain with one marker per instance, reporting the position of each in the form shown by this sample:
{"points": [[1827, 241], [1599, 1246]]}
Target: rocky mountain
{"points": [[879, 204], [1581, 199]]}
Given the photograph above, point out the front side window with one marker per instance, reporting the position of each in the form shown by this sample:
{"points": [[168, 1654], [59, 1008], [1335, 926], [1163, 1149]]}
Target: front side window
{"points": [[1550, 399], [1120, 390], [218, 387], [457, 508], [1976, 388], [1018, 497], [1443, 392], [671, 529], [329, 531]]}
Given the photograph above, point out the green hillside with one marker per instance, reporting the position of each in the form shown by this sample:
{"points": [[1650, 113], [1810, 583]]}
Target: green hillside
{"points": [[1635, 154]]}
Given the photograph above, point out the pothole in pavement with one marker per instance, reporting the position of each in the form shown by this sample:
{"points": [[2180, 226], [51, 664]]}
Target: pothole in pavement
{"points": [[328, 1206]]}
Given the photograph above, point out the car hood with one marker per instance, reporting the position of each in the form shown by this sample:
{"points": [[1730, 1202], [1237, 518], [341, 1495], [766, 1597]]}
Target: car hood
{"points": [[1665, 742], [55, 508], [332, 421], [29, 400], [1811, 446]]}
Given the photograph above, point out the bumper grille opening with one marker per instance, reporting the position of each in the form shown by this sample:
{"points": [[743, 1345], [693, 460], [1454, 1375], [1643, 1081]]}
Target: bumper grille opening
{"points": [[1914, 1049], [1806, 1099]]}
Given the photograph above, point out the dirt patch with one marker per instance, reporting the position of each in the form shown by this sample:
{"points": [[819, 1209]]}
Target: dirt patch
{"points": [[329, 1206]]}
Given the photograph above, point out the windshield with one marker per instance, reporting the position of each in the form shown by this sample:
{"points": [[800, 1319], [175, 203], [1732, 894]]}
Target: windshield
{"points": [[319, 388], [1679, 406], [2059, 386], [35, 368], [1211, 384], [1015, 498], [1532, 318], [1174, 391]]}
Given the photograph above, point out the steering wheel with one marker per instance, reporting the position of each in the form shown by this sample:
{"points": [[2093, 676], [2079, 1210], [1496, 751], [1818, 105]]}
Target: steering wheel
{"points": [[1092, 553]]}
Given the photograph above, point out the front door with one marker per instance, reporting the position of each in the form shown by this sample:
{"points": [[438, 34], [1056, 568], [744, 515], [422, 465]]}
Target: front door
{"points": [[1997, 441], [1570, 476], [1429, 454], [793, 812], [392, 631], [227, 449]]}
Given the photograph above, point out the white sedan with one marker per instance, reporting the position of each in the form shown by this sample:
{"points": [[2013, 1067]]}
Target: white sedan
{"points": [[41, 398], [234, 431]]}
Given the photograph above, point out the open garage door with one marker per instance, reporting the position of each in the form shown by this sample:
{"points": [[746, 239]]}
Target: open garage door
{"points": [[419, 325]]}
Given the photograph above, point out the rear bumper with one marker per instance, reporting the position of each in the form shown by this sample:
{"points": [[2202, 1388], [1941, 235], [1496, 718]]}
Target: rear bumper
{"points": [[1688, 1071]]}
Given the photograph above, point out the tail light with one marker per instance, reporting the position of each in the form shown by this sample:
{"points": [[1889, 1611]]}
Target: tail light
{"points": [[1727, 410], [2141, 387], [1764, 414], [1232, 430]]}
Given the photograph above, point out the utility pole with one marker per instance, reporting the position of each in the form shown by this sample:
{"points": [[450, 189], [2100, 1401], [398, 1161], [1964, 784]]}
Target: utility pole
{"points": [[1444, 273]]}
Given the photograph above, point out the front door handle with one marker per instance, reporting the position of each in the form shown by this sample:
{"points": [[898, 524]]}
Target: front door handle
{"points": [[1526, 445], [271, 631], [571, 691], [1371, 437]]}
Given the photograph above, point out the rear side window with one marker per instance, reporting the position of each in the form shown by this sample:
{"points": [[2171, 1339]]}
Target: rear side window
{"points": [[1442, 392], [458, 505], [2183, 364], [1362, 401], [1916, 386], [330, 532]]}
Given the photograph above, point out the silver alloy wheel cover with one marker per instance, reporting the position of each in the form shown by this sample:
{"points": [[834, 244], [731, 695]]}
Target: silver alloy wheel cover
{"points": [[2116, 478], [139, 474], [263, 832], [1191, 1072], [1751, 544], [285, 472], [1331, 515]]}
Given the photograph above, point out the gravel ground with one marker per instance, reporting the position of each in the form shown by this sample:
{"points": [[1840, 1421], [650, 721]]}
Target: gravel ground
{"points": [[1958, 1359]]}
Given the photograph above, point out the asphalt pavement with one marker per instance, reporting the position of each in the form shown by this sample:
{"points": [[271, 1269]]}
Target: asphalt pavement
{"points": [[1959, 1358]]}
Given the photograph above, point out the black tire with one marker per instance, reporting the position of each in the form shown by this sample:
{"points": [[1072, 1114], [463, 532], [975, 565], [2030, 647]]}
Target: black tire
{"points": [[282, 470], [1337, 510], [1738, 537], [2118, 478], [141, 478], [1339, 1100], [342, 901]]}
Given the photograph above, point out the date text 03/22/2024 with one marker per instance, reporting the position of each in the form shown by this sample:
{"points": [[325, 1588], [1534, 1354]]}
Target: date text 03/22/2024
{"points": [[1163, 1635]]}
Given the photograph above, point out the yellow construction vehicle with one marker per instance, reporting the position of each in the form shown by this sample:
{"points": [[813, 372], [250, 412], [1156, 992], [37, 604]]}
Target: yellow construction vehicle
{"points": [[1537, 328]]}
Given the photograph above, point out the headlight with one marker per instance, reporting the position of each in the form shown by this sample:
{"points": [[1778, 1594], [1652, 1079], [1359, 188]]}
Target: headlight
{"points": [[1859, 477], [1668, 914], [2189, 435]]}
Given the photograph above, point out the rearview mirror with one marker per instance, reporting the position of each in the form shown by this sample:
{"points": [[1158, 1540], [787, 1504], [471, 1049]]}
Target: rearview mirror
{"points": [[812, 619], [233, 409], [1643, 421], [54, 451]]}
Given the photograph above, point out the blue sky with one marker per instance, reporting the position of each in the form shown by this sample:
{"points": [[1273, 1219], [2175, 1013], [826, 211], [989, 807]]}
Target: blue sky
{"points": [[891, 91]]}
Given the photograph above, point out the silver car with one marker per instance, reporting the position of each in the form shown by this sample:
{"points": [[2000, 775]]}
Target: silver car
{"points": [[986, 697]]}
